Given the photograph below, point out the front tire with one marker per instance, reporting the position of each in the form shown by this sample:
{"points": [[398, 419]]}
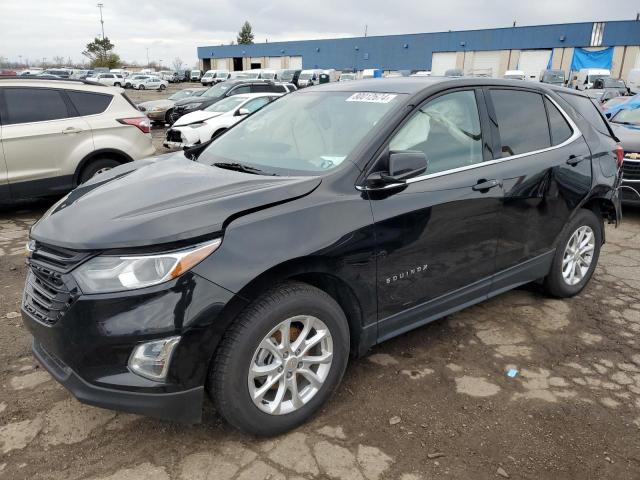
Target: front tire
{"points": [[576, 256], [162, 87], [117, 84], [281, 360], [141, 87]]}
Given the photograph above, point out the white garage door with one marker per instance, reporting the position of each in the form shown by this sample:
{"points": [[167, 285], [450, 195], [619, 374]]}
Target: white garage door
{"points": [[442, 61], [486, 63], [274, 63], [221, 64], [295, 63], [637, 65], [532, 62]]}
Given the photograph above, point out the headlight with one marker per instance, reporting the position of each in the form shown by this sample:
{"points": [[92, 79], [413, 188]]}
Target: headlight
{"points": [[106, 273], [155, 109], [196, 125], [191, 106]]}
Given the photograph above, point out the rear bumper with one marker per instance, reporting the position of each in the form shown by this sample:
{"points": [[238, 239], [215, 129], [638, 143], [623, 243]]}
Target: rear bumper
{"points": [[184, 406]]}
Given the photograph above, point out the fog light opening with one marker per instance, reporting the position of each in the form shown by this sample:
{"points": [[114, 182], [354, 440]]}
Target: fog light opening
{"points": [[151, 359]]}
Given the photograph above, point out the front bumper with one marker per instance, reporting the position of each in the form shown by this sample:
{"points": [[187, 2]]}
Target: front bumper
{"points": [[85, 341], [184, 406], [177, 137]]}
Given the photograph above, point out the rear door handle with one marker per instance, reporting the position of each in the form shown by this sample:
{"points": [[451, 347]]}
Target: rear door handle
{"points": [[485, 185], [574, 160], [71, 130]]}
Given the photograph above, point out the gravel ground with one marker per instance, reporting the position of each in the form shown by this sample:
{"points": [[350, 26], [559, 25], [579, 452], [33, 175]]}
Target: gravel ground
{"points": [[433, 403]]}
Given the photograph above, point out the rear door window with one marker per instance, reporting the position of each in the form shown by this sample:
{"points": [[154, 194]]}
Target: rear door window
{"points": [[242, 89], [522, 121], [88, 103], [25, 105], [560, 129]]}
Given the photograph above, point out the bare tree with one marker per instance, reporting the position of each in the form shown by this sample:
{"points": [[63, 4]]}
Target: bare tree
{"points": [[177, 64], [58, 61]]}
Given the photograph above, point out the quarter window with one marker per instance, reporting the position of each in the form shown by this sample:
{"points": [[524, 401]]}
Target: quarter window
{"points": [[87, 103], [560, 129], [447, 130], [26, 105], [522, 121]]}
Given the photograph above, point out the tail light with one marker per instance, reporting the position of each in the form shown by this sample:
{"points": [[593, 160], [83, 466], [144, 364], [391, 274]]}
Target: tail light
{"points": [[142, 123], [619, 154]]}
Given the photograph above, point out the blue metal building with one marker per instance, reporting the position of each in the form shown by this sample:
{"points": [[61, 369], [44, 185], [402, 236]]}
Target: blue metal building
{"points": [[416, 51]]}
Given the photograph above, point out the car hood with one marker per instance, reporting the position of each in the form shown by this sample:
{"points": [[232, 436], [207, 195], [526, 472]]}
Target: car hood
{"points": [[198, 116], [629, 136], [199, 99], [156, 103], [160, 200]]}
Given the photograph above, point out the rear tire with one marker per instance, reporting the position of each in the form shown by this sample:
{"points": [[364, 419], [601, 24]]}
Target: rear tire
{"points": [[252, 343], [96, 167], [217, 133], [571, 270], [162, 87], [117, 84], [141, 87]]}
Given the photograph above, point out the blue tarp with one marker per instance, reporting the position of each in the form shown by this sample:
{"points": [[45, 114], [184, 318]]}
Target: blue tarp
{"points": [[631, 104], [587, 59]]}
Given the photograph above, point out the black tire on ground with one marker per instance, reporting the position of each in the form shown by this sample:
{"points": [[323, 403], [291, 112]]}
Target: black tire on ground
{"points": [[228, 375], [95, 166], [167, 116], [162, 87], [554, 282], [117, 84], [141, 87]]}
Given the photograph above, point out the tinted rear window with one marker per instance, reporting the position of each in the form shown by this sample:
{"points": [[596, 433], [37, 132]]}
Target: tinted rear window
{"points": [[26, 105], [88, 103], [560, 129], [588, 110], [522, 121]]}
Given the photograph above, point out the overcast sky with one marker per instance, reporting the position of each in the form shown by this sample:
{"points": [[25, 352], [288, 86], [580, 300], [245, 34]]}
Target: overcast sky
{"points": [[34, 29]]}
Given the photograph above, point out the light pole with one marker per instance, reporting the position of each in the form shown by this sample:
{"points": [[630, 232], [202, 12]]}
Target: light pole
{"points": [[100, 5]]}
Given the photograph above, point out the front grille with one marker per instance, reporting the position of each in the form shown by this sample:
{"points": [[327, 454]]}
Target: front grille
{"points": [[47, 292], [631, 170], [45, 295], [173, 136]]}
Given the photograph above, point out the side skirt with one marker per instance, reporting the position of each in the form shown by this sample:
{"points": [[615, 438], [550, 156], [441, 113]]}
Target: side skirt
{"points": [[529, 271]]}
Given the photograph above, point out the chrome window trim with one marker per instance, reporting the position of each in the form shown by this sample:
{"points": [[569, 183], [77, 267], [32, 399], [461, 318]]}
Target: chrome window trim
{"points": [[576, 134]]}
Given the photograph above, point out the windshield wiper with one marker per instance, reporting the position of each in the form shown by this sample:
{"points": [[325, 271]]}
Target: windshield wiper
{"points": [[625, 123], [239, 167]]}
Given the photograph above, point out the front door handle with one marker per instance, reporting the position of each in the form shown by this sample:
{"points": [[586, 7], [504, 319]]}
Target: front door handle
{"points": [[485, 185], [574, 160], [71, 130]]}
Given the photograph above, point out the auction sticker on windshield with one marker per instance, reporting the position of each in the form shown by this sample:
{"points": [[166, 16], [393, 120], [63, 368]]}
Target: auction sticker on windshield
{"points": [[371, 97]]}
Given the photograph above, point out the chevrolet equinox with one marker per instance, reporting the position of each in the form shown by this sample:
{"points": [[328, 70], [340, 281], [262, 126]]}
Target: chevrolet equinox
{"points": [[333, 219]]}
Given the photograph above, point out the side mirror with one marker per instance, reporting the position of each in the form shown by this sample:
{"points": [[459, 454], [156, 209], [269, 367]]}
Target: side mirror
{"points": [[243, 111], [404, 165]]}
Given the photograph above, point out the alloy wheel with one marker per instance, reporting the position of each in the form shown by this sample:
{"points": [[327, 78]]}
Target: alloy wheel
{"points": [[290, 365], [578, 255]]}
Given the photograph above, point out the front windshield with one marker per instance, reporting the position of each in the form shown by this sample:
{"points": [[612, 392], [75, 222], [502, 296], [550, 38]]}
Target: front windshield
{"points": [[181, 94], [305, 76], [613, 83], [287, 75], [556, 77], [208, 74], [347, 76], [302, 134], [226, 105], [222, 74], [268, 75], [216, 91], [631, 116], [593, 78]]}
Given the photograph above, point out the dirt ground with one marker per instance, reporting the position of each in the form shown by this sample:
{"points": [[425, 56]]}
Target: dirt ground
{"points": [[433, 403]]}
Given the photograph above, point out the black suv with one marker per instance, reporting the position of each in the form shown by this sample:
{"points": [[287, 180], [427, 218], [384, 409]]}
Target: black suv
{"points": [[333, 219], [220, 91]]}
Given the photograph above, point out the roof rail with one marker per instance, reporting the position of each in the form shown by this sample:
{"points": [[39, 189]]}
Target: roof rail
{"points": [[48, 78]]}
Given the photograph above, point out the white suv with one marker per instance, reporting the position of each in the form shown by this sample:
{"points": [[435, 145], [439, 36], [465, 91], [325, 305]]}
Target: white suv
{"points": [[111, 79], [56, 134]]}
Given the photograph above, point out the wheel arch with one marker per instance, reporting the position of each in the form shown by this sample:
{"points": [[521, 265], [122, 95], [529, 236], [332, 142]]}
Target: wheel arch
{"points": [[113, 153]]}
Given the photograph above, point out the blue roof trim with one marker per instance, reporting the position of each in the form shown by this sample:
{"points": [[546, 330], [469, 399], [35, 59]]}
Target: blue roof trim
{"points": [[397, 52]]}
